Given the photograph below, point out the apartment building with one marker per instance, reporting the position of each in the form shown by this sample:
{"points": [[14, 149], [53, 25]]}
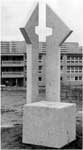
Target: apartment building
{"points": [[14, 62], [71, 63]]}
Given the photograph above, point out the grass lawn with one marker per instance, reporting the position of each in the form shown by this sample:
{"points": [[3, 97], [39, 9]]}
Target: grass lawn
{"points": [[12, 103]]}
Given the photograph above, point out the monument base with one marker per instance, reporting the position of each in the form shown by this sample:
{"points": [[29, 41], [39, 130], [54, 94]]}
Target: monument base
{"points": [[51, 124]]}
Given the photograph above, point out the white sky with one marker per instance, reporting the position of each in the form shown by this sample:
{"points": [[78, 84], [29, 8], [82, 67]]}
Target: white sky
{"points": [[13, 12]]}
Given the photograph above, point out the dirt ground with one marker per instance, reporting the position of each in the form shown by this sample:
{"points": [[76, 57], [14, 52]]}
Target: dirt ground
{"points": [[12, 103]]}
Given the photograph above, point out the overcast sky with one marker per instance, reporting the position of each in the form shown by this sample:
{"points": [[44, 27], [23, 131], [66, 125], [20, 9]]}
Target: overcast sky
{"points": [[13, 12]]}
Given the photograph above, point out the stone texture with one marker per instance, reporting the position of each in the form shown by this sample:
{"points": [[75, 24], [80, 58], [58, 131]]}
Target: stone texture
{"points": [[49, 124]]}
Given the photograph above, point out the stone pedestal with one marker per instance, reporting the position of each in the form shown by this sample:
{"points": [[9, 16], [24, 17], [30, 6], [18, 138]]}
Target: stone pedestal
{"points": [[49, 124]]}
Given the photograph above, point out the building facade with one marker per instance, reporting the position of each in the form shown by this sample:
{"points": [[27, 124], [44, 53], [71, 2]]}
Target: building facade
{"points": [[71, 63], [14, 62]]}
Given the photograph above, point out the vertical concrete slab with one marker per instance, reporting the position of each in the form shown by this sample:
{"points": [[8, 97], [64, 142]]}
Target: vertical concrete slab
{"points": [[29, 73], [28, 32], [59, 34]]}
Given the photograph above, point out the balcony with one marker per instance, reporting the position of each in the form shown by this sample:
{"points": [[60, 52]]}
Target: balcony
{"points": [[12, 63], [12, 74]]}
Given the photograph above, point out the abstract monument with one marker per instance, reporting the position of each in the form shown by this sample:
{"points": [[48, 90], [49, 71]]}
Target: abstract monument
{"points": [[46, 120]]}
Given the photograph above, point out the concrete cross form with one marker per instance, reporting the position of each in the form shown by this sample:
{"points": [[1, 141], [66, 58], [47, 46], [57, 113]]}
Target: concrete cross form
{"points": [[41, 30]]}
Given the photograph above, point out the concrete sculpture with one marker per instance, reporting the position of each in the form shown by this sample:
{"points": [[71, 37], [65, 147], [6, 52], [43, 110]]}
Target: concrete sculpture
{"points": [[46, 121]]}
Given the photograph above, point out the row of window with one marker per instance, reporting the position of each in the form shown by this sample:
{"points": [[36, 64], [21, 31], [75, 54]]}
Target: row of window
{"points": [[9, 69], [74, 69], [74, 61], [12, 58], [41, 89], [40, 67], [74, 58], [78, 77], [74, 78]]}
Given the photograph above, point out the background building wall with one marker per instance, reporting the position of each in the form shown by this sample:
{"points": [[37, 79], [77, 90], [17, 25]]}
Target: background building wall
{"points": [[71, 63], [14, 63]]}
